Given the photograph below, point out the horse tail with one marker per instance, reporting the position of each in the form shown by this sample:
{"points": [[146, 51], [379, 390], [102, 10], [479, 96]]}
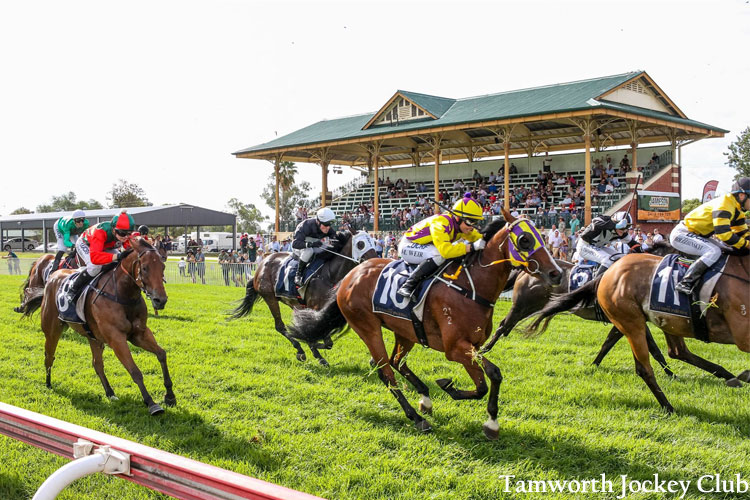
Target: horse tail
{"points": [[311, 326], [581, 298], [33, 302], [26, 283], [246, 306]]}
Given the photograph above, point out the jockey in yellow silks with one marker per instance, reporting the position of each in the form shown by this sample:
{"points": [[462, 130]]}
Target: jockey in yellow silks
{"points": [[432, 241], [722, 217]]}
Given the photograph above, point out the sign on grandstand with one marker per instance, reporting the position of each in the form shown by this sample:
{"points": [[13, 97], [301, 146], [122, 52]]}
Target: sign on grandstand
{"points": [[658, 206]]}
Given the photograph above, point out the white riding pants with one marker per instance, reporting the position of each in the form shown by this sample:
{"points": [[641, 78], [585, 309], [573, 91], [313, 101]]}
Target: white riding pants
{"points": [[692, 244], [415, 253], [601, 255], [83, 250], [61, 240]]}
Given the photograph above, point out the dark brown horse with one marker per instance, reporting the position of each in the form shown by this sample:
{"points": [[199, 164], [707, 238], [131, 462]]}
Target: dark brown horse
{"points": [[35, 279], [454, 323], [354, 248], [623, 293], [530, 295], [115, 317]]}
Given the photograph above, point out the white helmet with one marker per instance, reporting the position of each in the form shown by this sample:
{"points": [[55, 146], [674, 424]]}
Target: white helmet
{"points": [[325, 215], [623, 220], [79, 214]]}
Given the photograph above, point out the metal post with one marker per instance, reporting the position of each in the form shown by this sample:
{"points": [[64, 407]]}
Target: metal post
{"points": [[436, 154], [23, 239], [234, 233], [587, 175], [276, 167], [44, 235], [506, 181], [376, 197]]}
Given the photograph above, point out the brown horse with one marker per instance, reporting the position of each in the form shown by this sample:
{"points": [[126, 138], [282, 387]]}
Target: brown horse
{"points": [[530, 295], [454, 323], [623, 293], [115, 313], [353, 249], [35, 279]]}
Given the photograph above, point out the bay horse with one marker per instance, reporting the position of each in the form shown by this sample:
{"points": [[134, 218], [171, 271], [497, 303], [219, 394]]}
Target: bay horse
{"points": [[354, 249], [115, 313], [454, 323], [530, 295], [623, 293], [35, 279]]}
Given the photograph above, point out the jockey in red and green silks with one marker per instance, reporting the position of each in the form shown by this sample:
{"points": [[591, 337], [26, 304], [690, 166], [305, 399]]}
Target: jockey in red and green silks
{"points": [[98, 246], [66, 231]]}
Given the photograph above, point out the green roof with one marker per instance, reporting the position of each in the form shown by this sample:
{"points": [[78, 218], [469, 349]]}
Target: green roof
{"points": [[558, 98]]}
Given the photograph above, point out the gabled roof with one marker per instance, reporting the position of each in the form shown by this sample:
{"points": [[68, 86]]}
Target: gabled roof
{"points": [[517, 106]]}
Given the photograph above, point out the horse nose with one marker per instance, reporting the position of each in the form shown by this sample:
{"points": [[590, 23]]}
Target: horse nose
{"points": [[159, 302], [555, 277]]}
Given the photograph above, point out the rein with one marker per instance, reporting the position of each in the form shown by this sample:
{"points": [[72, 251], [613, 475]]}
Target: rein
{"points": [[139, 277], [341, 255]]}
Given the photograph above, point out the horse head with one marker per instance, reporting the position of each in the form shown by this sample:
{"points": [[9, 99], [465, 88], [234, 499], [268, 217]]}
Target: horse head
{"points": [[521, 243], [146, 267], [363, 247]]}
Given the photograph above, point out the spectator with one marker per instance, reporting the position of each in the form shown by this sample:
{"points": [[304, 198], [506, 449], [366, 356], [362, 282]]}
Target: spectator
{"points": [[181, 266], [14, 265], [574, 224], [625, 164], [546, 163], [225, 267], [492, 178], [287, 246], [477, 177], [608, 188], [554, 240], [200, 261], [251, 252], [658, 236], [513, 169], [191, 264], [275, 245]]}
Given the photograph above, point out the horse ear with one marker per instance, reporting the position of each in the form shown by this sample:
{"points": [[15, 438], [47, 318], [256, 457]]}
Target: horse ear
{"points": [[506, 215]]}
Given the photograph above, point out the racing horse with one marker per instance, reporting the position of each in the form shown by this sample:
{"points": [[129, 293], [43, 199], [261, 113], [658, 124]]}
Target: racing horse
{"points": [[530, 295], [36, 277], [352, 249], [115, 314], [456, 320], [623, 295]]}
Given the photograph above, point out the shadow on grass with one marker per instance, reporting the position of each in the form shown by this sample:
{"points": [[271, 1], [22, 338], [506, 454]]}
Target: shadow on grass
{"points": [[188, 433], [12, 487], [176, 317]]}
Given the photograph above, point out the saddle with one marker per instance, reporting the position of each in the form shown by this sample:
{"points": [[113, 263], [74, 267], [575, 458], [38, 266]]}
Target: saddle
{"points": [[287, 272]]}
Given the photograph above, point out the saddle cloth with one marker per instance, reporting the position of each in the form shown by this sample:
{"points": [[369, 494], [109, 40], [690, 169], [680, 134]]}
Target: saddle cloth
{"points": [[288, 270], [671, 269], [73, 313], [66, 263], [580, 275], [385, 299]]}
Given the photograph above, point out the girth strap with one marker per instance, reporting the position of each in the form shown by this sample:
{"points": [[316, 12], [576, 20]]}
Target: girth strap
{"points": [[468, 294]]}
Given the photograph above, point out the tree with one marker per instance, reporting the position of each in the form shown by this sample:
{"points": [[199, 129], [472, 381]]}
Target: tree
{"points": [[289, 199], [287, 171], [738, 156], [67, 202], [21, 210], [689, 204], [126, 194], [249, 218]]}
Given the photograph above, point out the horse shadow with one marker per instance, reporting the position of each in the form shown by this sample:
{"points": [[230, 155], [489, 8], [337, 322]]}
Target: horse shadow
{"points": [[12, 487], [186, 432]]}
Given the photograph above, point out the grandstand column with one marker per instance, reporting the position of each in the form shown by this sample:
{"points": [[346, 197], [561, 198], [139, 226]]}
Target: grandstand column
{"points": [[324, 165], [506, 177], [436, 154], [376, 195], [587, 176], [276, 166]]}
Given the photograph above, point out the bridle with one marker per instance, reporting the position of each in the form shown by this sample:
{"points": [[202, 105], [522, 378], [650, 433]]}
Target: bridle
{"points": [[522, 258], [138, 277]]}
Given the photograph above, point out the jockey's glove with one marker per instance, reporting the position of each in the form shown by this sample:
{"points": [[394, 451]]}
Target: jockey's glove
{"points": [[123, 254], [480, 244], [314, 244]]}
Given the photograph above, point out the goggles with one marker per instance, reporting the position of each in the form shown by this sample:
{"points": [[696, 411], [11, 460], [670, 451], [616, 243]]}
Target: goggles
{"points": [[327, 224], [122, 232], [78, 220]]}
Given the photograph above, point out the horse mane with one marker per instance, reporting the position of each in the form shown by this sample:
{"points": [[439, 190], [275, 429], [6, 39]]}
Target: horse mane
{"points": [[492, 227]]}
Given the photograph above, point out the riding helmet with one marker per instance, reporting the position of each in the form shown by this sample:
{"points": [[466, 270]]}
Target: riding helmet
{"points": [[468, 208]]}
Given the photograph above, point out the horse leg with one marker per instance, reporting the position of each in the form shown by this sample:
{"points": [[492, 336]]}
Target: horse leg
{"points": [[639, 345], [273, 306], [398, 361], [316, 354], [491, 427], [120, 346], [374, 341], [51, 339], [97, 348], [677, 349], [147, 341], [653, 348], [463, 352], [614, 336]]}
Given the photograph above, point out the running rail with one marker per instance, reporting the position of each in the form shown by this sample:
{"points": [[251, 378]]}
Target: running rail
{"points": [[158, 470]]}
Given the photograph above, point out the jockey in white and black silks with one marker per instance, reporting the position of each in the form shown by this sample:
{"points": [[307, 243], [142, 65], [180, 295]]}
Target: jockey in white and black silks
{"points": [[432, 241], [66, 231], [307, 239], [722, 217], [602, 231]]}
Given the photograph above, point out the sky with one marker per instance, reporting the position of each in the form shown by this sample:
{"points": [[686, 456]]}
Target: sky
{"points": [[161, 93]]}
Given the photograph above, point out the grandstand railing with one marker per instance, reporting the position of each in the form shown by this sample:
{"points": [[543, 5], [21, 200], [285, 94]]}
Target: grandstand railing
{"points": [[158, 470]]}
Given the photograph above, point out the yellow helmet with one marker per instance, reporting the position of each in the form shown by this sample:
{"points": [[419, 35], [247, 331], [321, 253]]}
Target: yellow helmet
{"points": [[468, 208]]}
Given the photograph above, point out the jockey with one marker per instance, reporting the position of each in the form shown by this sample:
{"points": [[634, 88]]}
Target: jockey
{"points": [[98, 246], [67, 230], [432, 241], [723, 217], [602, 230], [307, 238], [143, 232]]}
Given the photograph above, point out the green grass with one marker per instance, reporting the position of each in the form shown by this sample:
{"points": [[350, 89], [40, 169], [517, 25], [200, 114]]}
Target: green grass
{"points": [[246, 404]]}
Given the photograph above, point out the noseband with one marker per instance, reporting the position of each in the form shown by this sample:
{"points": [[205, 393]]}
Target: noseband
{"points": [[138, 279]]}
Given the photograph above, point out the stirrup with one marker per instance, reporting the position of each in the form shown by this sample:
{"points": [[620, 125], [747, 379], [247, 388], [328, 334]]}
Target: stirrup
{"points": [[405, 292], [685, 287]]}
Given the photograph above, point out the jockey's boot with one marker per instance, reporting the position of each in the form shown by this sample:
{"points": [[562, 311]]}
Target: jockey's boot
{"points": [[83, 279], [56, 262], [692, 276], [424, 269], [299, 277]]}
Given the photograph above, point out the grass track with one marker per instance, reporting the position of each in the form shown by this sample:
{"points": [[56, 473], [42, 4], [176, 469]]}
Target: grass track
{"points": [[245, 404]]}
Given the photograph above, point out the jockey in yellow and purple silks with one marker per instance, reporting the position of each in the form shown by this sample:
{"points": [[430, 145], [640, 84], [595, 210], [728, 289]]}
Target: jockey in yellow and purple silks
{"points": [[446, 236]]}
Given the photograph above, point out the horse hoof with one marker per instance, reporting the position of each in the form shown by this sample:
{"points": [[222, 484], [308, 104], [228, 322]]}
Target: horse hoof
{"points": [[155, 409], [744, 376], [301, 356], [170, 401], [733, 382], [423, 426], [372, 363], [323, 362], [490, 433], [427, 410], [113, 398], [444, 383]]}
